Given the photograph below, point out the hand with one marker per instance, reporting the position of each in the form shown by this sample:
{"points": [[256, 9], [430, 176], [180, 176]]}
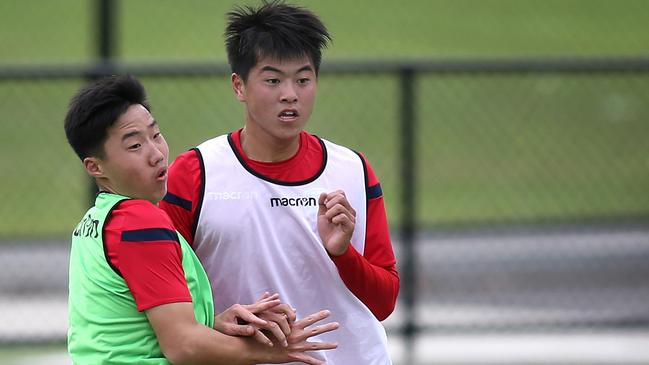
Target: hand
{"points": [[279, 318], [336, 222], [297, 340], [244, 320]]}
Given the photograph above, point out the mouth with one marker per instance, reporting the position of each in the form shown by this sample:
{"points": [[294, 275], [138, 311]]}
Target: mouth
{"points": [[288, 115], [162, 174]]}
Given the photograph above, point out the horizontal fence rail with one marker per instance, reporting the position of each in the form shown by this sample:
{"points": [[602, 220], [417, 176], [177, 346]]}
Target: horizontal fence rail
{"points": [[472, 66]]}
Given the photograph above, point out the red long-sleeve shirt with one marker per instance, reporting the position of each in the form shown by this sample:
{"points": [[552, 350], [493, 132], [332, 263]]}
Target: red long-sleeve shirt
{"points": [[151, 265], [372, 276]]}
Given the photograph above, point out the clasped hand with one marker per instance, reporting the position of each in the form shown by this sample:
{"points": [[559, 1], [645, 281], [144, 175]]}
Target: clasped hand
{"points": [[274, 324]]}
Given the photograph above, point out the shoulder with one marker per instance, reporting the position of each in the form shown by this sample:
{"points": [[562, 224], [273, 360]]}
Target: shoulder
{"points": [[135, 214], [216, 145], [371, 176], [338, 151], [186, 159], [187, 167], [372, 180]]}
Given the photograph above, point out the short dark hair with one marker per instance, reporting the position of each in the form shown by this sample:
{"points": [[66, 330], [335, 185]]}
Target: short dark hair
{"points": [[96, 107], [275, 29]]}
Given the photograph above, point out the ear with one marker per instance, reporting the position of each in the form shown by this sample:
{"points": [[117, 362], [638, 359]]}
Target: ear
{"points": [[93, 167], [239, 87]]}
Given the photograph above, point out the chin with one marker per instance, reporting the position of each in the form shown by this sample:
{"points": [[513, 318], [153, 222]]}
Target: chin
{"points": [[157, 198], [290, 133], [159, 194]]}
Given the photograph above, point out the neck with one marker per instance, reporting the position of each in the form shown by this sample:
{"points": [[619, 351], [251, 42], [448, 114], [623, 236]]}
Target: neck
{"points": [[268, 150], [103, 185]]}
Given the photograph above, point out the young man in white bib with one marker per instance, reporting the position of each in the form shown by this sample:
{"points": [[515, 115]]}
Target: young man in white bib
{"points": [[272, 208]]}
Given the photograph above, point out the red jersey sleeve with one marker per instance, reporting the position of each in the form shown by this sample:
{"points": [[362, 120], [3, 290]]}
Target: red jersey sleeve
{"points": [[184, 191], [142, 246], [373, 276]]}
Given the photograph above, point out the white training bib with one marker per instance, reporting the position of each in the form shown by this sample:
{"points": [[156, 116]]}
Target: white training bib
{"points": [[255, 235]]}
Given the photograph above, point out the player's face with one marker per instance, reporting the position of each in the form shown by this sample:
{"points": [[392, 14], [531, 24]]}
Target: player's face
{"points": [[135, 157], [279, 97]]}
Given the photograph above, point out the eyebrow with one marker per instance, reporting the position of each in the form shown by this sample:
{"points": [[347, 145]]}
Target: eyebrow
{"points": [[273, 69], [135, 133]]}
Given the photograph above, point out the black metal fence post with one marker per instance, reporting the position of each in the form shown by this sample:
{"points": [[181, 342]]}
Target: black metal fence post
{"points": [[408, 214], [105, 33], [105, 30]]}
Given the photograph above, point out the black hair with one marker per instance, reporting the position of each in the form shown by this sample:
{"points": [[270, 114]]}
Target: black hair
{"points": [[275, 29], [96, 107]]}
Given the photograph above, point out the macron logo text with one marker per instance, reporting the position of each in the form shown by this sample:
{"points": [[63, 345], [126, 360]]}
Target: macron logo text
{"points": [[293, 202]]}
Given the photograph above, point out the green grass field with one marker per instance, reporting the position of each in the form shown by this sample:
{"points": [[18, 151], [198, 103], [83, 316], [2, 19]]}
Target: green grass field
{"points": [[35, 31], [491, 147]]}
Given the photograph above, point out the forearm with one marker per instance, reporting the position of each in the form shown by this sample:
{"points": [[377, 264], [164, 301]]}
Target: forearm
{"points": [[372, 276], [199, 344], [203, 345], [376, 286], [184, 341]]}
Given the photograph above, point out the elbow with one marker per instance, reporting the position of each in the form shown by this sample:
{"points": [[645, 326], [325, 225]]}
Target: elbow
{"points": [[388, 306], [383, 313], [175, 356], [180, 353]]}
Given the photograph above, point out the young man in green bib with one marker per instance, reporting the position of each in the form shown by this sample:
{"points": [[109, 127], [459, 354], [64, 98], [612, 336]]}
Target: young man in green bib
{"points": [[138, 294]]}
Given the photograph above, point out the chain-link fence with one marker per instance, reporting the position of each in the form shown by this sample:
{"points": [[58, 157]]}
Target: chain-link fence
{"points": [[489, 146], [557, 152]]}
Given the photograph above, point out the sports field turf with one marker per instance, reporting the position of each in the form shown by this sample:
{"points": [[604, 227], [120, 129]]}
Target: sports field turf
{"points": [[490, 147]]}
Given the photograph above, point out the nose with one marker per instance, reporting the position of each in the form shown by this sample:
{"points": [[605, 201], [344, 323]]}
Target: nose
{"points": [[158, 153], [288, 93]]}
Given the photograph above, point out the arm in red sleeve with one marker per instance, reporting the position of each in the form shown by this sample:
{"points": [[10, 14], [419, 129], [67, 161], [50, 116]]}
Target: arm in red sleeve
{"points": [[373, 276], [183, 198], [142, 246]]}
